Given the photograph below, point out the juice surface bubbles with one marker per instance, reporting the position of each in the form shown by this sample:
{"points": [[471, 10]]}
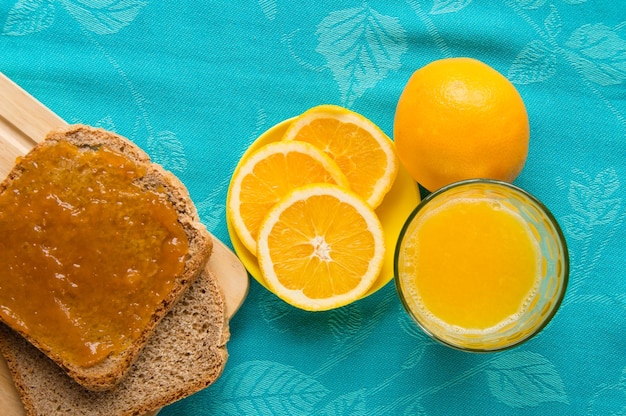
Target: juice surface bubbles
{"points": [[481, 265]]}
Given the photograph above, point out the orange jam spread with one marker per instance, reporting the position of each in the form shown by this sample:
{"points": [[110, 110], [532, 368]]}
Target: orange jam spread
{"points": [[86, 253]]}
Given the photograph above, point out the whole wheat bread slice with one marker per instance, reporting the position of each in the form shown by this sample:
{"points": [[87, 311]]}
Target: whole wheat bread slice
{"points": [[186, 353], [112, 370]]}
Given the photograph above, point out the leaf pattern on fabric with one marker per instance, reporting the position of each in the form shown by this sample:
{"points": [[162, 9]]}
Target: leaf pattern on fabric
{"points": [[345, 323], [535, 63], [276, 313], [422, 341], [104, 17], [166, 150], [351, 326], [410, 327], [284, 318], [524, 378], [415, 409], [106, 123], [576, 227], [606, 183], [448, 6], [259, 127], [269, 8], [29, 16], [593, 204], [553, 22], [212, 209], [609, 399], [580, 196], [531, 4], [535, 4], [599, 53], [360, 46], [265, 387], [352, 404]]}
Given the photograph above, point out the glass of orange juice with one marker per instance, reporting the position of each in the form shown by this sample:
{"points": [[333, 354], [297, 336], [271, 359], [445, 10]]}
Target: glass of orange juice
{"points": [[481, 265]]}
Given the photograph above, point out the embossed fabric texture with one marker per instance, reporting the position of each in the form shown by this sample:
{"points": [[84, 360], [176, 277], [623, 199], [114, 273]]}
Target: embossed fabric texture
{"points": [[194, 83]]}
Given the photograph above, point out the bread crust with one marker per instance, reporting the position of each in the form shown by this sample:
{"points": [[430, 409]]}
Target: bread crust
{"points": [[105, 375]]}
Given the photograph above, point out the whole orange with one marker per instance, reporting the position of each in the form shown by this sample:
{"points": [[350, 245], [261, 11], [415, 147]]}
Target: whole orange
{"points": [[458, 118]]}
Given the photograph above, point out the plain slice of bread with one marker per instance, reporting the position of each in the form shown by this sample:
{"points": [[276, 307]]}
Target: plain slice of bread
{"points": [[186, 353], [113, 369]]}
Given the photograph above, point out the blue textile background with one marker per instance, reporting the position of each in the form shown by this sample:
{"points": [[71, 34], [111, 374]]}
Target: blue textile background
{"points": [[194, 83]]}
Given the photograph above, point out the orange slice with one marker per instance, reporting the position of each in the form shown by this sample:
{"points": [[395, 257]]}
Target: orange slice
{"points": [[267, 175], [320, 247], [363, 152]]}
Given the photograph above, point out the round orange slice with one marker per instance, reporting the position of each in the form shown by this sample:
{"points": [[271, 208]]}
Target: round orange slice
{"points": [[261, 180], [320, 247], [362, 151]]}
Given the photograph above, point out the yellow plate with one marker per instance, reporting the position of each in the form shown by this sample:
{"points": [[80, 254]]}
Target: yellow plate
{"points": [[401, 199]]}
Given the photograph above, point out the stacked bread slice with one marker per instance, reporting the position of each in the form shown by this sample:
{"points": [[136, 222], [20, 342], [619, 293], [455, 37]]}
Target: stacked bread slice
{"points": [[181, 350]]}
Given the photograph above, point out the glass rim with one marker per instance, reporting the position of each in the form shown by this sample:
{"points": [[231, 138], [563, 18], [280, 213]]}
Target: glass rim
{"points": [[560, 238]]}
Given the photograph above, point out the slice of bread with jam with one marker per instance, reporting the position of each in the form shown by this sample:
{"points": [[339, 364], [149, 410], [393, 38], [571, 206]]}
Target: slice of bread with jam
{"points": [[99, 244]]}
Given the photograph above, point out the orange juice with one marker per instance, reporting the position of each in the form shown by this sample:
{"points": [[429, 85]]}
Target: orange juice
{"points": [[481, 265], [476, 263]]}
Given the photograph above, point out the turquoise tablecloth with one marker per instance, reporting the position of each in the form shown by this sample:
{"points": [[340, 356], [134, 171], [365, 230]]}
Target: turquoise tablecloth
{"points": [[194, 83]]}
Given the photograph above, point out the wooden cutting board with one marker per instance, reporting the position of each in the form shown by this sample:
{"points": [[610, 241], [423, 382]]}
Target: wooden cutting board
{"points": [[24, 122]]}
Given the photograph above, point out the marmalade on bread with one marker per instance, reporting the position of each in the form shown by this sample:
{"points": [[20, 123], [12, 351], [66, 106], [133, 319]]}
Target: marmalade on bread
{"points": [[87, 253]]}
